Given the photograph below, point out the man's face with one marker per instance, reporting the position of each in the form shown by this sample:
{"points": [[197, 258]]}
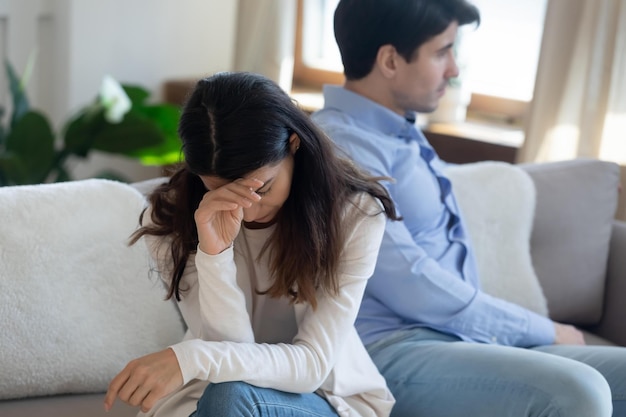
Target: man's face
{"points": [[420, 83]]}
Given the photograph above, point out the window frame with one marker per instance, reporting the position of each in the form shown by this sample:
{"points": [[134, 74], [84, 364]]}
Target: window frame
{"points": [[481, 106]]}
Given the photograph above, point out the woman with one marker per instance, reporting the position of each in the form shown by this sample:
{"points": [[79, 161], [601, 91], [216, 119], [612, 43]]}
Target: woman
{"points": [[266, 239]]}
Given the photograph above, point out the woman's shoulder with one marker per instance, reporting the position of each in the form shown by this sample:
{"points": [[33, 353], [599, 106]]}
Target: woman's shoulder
{"points": [[363, 204]]}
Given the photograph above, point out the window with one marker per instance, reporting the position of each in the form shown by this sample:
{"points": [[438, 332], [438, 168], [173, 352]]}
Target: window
{"points": [[504, 50], [498, 60], [317, 59]]}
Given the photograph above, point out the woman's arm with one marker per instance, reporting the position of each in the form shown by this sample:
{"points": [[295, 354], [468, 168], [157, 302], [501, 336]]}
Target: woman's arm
{"points": [[303, 365]]}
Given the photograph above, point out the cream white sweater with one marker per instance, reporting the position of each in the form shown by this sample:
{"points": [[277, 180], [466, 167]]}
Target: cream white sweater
{"points": [[236, 334]]}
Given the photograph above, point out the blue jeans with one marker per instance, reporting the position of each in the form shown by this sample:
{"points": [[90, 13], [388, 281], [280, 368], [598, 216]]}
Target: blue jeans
{"points": [[436, 375], [238, 399]]}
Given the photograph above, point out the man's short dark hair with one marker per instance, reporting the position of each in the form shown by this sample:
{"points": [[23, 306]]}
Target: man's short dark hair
{"points": [[363, 26]]}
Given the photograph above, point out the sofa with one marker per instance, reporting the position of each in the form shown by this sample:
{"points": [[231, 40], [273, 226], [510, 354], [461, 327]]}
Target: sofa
{"points": [[77, 303]]}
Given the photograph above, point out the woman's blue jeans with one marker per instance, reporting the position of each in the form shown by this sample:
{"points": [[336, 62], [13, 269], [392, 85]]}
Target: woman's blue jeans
{"points": [[238, 399], [436, 375]]}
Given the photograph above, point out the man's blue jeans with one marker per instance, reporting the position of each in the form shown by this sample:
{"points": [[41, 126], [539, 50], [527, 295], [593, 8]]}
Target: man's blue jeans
{"points": [[238, 399], [436, 375]]}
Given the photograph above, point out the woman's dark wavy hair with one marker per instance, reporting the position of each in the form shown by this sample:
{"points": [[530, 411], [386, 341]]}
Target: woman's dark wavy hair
{"points": [[363, 26], [236, 123]]}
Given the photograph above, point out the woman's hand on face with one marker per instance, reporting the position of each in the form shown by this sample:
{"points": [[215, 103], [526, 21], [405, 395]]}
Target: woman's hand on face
{"points": [[220, 213], [145, 380]]}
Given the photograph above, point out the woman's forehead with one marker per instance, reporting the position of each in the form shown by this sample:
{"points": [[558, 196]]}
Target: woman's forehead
{"points": [[263, 174]]}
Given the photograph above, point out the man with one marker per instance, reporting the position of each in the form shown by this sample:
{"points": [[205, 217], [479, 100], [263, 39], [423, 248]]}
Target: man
{"points": [[445, 347]]}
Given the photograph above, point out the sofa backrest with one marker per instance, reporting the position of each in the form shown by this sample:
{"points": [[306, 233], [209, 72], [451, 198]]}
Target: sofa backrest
{"points": [[576, 204]]}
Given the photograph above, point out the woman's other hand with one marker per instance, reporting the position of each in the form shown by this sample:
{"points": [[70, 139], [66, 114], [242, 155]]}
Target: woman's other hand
{"points": [[145, 380], [220, 213]]}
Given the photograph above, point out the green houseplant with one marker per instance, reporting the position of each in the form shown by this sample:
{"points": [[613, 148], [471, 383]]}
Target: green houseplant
{"points": [[119, 121]]}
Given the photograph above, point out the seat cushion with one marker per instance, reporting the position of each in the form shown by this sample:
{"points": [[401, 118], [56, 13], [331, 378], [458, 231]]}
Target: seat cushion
{"points": [[81, 405], [576, 204]]}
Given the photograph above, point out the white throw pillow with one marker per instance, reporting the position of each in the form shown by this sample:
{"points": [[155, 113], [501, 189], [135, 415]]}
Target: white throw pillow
{"points": [[76, 303], [497, 202]]}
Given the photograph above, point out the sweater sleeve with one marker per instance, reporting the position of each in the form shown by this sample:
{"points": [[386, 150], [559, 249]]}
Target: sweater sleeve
{"points": [[303, 364], [208, 290], [222, 302]]}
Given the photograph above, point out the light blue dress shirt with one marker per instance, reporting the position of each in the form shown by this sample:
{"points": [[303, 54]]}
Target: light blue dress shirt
{"points": [[426, 273]]}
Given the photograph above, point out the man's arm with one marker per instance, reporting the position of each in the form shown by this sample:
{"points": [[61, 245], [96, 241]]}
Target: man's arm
{"points": [[416, 288]]}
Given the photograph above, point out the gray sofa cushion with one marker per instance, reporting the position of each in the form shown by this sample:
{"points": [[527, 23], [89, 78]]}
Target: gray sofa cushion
{"points": [[82, 405], [576, 203]]}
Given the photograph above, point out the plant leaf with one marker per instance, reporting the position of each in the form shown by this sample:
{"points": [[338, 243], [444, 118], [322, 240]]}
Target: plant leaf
{"points": [[78, 137], [31, 140], [137, 95], [10, 169], [133, 133], [166, 117], [18, 94], [2, 132]]}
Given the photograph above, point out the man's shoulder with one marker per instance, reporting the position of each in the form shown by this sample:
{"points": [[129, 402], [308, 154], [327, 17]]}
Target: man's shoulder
{"points": [[333, 117], [342, 127]]}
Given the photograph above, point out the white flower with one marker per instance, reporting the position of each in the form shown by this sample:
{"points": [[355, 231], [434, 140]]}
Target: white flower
{"points": [[114, 100]]}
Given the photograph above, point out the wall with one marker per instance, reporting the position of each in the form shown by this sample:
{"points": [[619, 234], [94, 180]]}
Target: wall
{"points": [[141, 42]]}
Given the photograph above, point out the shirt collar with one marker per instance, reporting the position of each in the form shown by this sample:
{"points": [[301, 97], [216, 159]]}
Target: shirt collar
{"points": [[369, 113]]}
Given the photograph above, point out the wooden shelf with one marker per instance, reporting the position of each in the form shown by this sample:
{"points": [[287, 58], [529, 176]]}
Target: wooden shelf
{"points": [[474, 141]]}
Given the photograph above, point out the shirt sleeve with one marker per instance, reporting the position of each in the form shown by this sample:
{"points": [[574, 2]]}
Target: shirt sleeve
{"points": [[419, 290], [304, 364], [416, 288]]}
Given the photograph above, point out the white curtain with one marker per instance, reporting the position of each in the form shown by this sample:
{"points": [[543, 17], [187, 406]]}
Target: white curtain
{"points": [[266, 39], [579, 104]]}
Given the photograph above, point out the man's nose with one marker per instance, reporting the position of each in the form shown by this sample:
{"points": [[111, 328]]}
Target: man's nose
{"points": [[453, 68]]}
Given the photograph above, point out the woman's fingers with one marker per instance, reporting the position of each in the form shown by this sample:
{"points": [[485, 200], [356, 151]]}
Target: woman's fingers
{"points": [[145, 380], [138, 397], [244, 188], [240, 192], [115, 386]]}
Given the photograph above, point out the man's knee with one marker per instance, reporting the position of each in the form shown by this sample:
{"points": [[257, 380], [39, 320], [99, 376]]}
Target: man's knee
{"points": [[581, 392]]}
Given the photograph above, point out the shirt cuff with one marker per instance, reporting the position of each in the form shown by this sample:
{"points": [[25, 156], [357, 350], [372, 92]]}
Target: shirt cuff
{"points": [[224, 256], [540, 331], [187, 361]]}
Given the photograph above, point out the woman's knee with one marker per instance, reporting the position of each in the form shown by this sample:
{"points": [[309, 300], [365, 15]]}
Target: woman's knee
{"points": [[226, 399]]}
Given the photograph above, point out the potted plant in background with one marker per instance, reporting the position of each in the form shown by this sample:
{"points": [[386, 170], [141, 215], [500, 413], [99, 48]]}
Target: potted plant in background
{"points": [[119, 121]]}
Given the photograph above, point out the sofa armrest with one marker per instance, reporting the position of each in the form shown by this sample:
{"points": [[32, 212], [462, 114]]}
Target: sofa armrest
{"points": [[613, 326], [576, 204]]}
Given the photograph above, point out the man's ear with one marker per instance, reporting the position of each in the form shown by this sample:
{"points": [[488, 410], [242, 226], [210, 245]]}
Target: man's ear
{"points": [[294, 143], [386, 60]]}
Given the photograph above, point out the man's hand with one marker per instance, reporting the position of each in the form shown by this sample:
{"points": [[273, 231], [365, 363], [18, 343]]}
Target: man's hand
{"points": [[145, 380], [567, 335]]}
